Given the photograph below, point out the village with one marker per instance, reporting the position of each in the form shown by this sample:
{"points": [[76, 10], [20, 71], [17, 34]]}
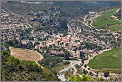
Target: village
{"points": [[76, 42], [60, 39]]}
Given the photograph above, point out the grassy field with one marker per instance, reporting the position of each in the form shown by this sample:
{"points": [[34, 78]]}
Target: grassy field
{"points": [[109, 60], [104, 21], [25, 54]]}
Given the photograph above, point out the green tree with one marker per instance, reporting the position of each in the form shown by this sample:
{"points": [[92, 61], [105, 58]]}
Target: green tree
{"points": [[83, 78], [66, 62], [50, 46], [77, 66], [10, 43], [4, 79], [36, 43], [66, 55], [20, 78], [85, 65], [78, 78], [106, 74], [86, 78], [66, 44], [82, 61], [30, 45], [84, 71], [100, 79]]}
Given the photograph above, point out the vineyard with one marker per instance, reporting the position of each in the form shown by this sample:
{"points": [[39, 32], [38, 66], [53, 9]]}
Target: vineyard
{"points": [[109, 60], [106, 21]]}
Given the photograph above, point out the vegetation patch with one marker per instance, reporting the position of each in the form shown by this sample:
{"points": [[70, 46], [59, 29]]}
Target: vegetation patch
{"points": [[49, 61], [109, 60], [105, 20], [22, 70], [60, 66], [84, 78], [114, 28]]}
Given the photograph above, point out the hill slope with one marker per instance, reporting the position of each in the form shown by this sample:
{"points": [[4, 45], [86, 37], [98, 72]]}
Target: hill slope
{"points": [[109, 60], [106, 21], [21, 70]]}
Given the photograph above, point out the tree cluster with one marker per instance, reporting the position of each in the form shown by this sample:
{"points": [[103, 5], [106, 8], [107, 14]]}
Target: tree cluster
{"points": [[85, 78], [49, 61], [18, 44], [21, 70]]}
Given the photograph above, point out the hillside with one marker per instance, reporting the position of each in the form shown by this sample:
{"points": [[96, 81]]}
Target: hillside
{"points": [[60, 40], [70, 9], [53, 15], [105, 20], [21, 70], [109, 60], [78, 8]]}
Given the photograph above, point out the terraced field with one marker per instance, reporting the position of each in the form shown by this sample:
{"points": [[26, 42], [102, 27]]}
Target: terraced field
{"points": [[114, 28], [109, 60], [25, 54], [106, 21]]}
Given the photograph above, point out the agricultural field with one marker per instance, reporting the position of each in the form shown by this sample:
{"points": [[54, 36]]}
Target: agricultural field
{"points": [[109, 60], [25, 54], [114, 28], [105, 21]]}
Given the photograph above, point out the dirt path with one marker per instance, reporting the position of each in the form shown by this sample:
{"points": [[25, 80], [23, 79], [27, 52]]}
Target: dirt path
{"points": [[41, 57], [91, 26], [115, 16], [97, 15]]}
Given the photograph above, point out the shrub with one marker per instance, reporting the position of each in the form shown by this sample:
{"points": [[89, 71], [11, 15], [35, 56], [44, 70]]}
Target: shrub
{"points": [[85, 65], [66, 62], [106, 74], [84, 71]]}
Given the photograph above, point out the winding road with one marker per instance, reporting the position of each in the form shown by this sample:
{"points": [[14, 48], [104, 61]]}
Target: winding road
{"points": [[72, 65]]}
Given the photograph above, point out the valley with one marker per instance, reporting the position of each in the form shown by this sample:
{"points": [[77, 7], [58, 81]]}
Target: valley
{"points": [[51, 42]]}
